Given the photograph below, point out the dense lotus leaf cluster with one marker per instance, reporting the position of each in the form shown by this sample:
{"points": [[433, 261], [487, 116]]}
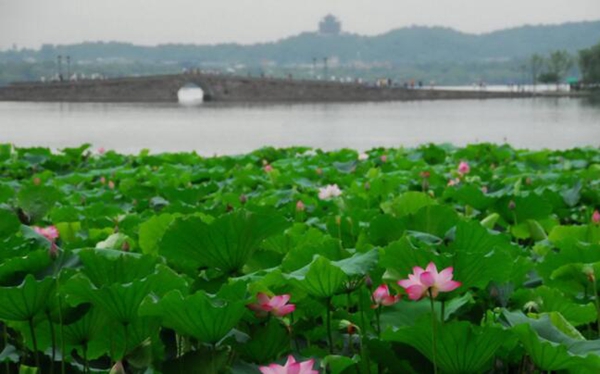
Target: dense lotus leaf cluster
{"points": [[289, 260]]}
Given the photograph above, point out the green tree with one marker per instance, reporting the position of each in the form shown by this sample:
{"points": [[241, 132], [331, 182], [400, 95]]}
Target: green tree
{"points": [[559, 63], [536, 63], [589, 63]]}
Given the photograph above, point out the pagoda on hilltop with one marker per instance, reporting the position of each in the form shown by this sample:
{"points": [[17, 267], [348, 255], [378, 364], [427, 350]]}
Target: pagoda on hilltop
{"points": [[330, 25]]}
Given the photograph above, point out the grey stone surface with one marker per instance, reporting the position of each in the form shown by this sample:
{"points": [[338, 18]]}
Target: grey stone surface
{"points": [[227, 88]]}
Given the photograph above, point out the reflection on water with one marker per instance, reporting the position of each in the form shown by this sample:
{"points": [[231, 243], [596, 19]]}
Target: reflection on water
{"points": [[218, 128]]}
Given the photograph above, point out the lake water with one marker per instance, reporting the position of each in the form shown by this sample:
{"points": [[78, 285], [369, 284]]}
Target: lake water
{"points": [[209, 129]]}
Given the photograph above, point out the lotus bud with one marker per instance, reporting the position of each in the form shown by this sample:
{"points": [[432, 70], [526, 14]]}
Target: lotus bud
{"points": [[319, 171], [53, 251], [102, 180], [351, 329], [300, 207], [111, 185], [512, 205], [368, 282], [425, 174], [589, 273], [118, 368], [243, 199], [596, 217], [268, 168], [338, 220], [531, 306], [528, 181], [383, 158], [37, 181]]}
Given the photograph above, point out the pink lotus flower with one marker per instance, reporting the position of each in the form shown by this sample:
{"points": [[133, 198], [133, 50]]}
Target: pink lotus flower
{"points": [[268, 168], [363, 157], [102, 180], [111, 185], [290, 367], [382, 297], [383, 158], [329, 191], [596, 217], [463, 168], [50, 232], [300, 207], [101, 150], [422, 281], [276, 305]]}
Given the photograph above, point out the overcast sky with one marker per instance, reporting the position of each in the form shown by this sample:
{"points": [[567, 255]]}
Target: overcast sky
{"points": [[30, 23]]}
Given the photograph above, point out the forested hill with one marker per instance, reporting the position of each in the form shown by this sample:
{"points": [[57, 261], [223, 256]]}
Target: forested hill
{"points": [[405, 45]]}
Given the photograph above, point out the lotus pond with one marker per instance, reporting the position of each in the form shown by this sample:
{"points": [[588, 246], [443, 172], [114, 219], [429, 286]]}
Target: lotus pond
{"points": [[480, 259]]}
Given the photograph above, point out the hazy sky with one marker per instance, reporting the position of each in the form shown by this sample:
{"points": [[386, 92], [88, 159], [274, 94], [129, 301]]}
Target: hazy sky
{"points": [[30, 23]]}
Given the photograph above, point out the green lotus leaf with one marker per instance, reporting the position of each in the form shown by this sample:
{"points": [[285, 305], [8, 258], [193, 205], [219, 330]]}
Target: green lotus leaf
{"points": [[585, 233], [267, 343], [384, 229], [461, 346], [546, 299], [526, 207], [359, 264], [106, 266], [16, 268], [337, 364], [226, 244], [469, 195], [152, 231], [26, 301], [480, 256], [201, 316], [320, 279], [434, 219], [9, 223], [408, 203], [552, 349], [36, 201]]}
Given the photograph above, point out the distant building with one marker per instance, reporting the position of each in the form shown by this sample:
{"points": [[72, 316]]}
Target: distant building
{"points": [[330, 25]]}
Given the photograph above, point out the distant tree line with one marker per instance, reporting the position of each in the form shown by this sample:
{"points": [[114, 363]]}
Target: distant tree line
{"points": [[589, 63], [554, 67]]}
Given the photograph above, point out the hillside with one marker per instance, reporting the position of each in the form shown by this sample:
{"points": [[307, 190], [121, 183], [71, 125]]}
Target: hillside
{"points": [[428, 53], [415, 44]]}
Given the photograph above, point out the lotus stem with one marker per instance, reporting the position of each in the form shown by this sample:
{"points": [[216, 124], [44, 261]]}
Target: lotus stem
{"points": [[53, 340], [5, 332], [60, 320], [597, 302], [86, 364], [34, 341], [365, 357], [329, 335], [378, 320], [125, 325], [433, 333]]}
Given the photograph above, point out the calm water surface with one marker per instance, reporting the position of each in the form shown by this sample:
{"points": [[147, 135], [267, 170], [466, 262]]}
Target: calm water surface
{"points": [[229, 129]]}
